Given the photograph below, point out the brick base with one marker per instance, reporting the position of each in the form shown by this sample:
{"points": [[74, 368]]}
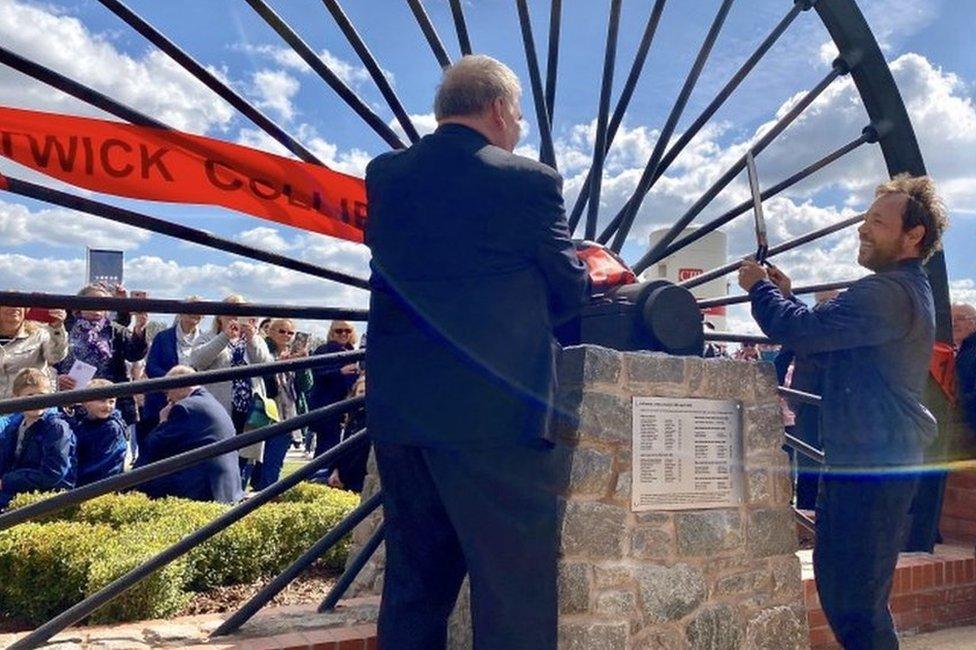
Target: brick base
{"points": [[958, 521], [930, 592]]}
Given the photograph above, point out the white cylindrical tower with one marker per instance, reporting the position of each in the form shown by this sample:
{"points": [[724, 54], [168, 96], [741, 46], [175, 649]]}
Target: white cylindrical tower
{"points": [[707, 253]]}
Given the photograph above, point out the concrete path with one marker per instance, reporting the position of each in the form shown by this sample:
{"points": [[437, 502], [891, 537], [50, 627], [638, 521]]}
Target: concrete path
{"points": [[957, 638]]}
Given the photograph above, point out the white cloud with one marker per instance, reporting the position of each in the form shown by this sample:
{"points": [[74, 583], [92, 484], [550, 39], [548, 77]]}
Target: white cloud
{"points": [[152, 84], [265, 238], [64, 228], [259, 283], [352, 162], [275, 90], [350, 73], [424, 123], [963, 291]]}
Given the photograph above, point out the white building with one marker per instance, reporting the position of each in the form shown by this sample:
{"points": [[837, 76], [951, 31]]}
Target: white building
{"points": [[703, 255]]}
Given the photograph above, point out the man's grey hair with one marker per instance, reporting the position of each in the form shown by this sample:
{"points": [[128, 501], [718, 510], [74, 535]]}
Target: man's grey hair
{"points": [[472, 84]]}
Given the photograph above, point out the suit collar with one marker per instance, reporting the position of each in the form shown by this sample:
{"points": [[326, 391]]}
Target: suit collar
{"points": [[461, 131]]}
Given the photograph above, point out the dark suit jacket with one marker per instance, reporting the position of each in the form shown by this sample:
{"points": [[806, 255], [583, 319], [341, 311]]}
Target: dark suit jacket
{"points": [[472, 263], [194, 421], [161, 359]]}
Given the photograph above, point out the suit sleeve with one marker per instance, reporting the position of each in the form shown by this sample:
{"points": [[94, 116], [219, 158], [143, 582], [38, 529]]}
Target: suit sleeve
{"points": [[565, 273], [164, 441], [873, 311]]}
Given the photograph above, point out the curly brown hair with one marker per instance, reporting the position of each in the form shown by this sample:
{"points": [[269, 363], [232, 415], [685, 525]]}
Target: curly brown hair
{"points": [[923, 208]]}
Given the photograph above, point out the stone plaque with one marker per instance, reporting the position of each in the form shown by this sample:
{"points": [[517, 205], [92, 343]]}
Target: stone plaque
{"points": [[687, 453]]}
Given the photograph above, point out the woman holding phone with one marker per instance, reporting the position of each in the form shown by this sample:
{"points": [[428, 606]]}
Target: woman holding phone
{"points": [[28, 344], [235, 341], [96, 340]]}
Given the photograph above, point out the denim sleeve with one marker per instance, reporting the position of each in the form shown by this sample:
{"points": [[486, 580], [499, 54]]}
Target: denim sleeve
{"points": [[873, 311]]}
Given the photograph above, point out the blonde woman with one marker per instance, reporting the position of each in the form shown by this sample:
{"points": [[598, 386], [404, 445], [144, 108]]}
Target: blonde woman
{"points": [[232, 342], [331, 385], [28, 344], [288, 389]]}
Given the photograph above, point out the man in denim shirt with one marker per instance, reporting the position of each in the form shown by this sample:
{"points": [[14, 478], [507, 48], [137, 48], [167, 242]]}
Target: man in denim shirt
{"points": [[874, 342]]}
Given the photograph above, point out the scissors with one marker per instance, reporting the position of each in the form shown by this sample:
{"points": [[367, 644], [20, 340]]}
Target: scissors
{"points": [[761, 238]]}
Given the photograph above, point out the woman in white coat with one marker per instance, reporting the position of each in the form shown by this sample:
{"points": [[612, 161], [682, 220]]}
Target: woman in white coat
{"points": [[235, 342]]}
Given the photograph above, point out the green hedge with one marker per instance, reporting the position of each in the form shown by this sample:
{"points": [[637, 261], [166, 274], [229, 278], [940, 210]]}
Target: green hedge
{"points": [[45, 567]]}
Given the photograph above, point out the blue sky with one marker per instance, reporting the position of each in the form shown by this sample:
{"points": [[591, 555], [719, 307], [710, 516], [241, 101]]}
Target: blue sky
{"points": [[927, 43]]}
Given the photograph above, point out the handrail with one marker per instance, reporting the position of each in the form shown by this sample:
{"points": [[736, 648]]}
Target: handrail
{"points": [[68, 397], [799, 396], [282, 580], [169, 465], [162, 306], [114, 589]]}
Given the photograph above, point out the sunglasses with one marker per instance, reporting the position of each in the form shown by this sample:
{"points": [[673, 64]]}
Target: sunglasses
{"points": [[288, 332], [342, 331]]}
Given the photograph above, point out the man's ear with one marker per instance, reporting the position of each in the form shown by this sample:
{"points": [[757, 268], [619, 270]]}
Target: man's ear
{"points": [[498, 108], [915, 235]]}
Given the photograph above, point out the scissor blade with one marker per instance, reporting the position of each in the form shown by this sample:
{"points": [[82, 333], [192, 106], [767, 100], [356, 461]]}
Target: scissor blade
{"points": [[761, 239]]}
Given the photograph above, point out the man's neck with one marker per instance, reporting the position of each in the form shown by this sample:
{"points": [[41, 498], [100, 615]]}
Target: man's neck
{"points": [[473, 123]]}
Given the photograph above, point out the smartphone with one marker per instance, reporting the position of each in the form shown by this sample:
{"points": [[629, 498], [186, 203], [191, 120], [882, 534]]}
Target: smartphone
{"points": [[301, 341], [39, 314]]}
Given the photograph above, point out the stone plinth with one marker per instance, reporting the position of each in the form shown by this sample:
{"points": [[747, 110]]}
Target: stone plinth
{"points": [[717, 578]]}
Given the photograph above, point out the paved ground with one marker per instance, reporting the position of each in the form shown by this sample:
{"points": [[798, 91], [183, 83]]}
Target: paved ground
{"points": [[957, 638]]}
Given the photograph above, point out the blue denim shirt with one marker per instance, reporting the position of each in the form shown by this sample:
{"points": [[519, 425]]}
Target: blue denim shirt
{"points": [[874, 342]]}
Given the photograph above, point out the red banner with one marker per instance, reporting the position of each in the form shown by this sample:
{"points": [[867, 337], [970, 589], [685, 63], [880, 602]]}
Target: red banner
{"points": [[142, 162]]}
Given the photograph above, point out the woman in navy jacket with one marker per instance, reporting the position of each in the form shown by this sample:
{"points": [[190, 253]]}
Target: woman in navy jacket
{"points": [[332, 385]]}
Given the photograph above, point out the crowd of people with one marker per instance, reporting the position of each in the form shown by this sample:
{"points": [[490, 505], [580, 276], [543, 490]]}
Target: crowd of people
{"points": [[61, 448]]}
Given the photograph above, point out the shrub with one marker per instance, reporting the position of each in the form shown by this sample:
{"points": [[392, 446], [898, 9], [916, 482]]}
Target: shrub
{"points": [[44, 567], [306, 493], [161, 594], [47, 567], [119, 509]]}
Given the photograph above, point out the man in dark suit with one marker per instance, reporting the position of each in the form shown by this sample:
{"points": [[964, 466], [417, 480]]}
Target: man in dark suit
{"points": [[472, 264], [192, 418]]}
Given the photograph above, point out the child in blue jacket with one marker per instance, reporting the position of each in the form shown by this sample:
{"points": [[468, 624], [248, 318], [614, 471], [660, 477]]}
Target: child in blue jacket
{"points": [[37, 447], [100, 431]]}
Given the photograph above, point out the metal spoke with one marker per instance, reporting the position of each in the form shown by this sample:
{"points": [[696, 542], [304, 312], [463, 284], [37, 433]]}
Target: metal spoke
{"points": [[285, 578], [633, 205], [685, 138], [139, 220], [552, 61], [600, 142], [546, 153], [461, 27], [139, 475], [804, 521], [621, 107], [206, 77], [159, 306], [811, 288], [77, 90], [652, 256], [375, 72], [732, 337], [430, 33], [868, 135], [120, 585], [355, 566], [302, 49], [708, 276]]}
